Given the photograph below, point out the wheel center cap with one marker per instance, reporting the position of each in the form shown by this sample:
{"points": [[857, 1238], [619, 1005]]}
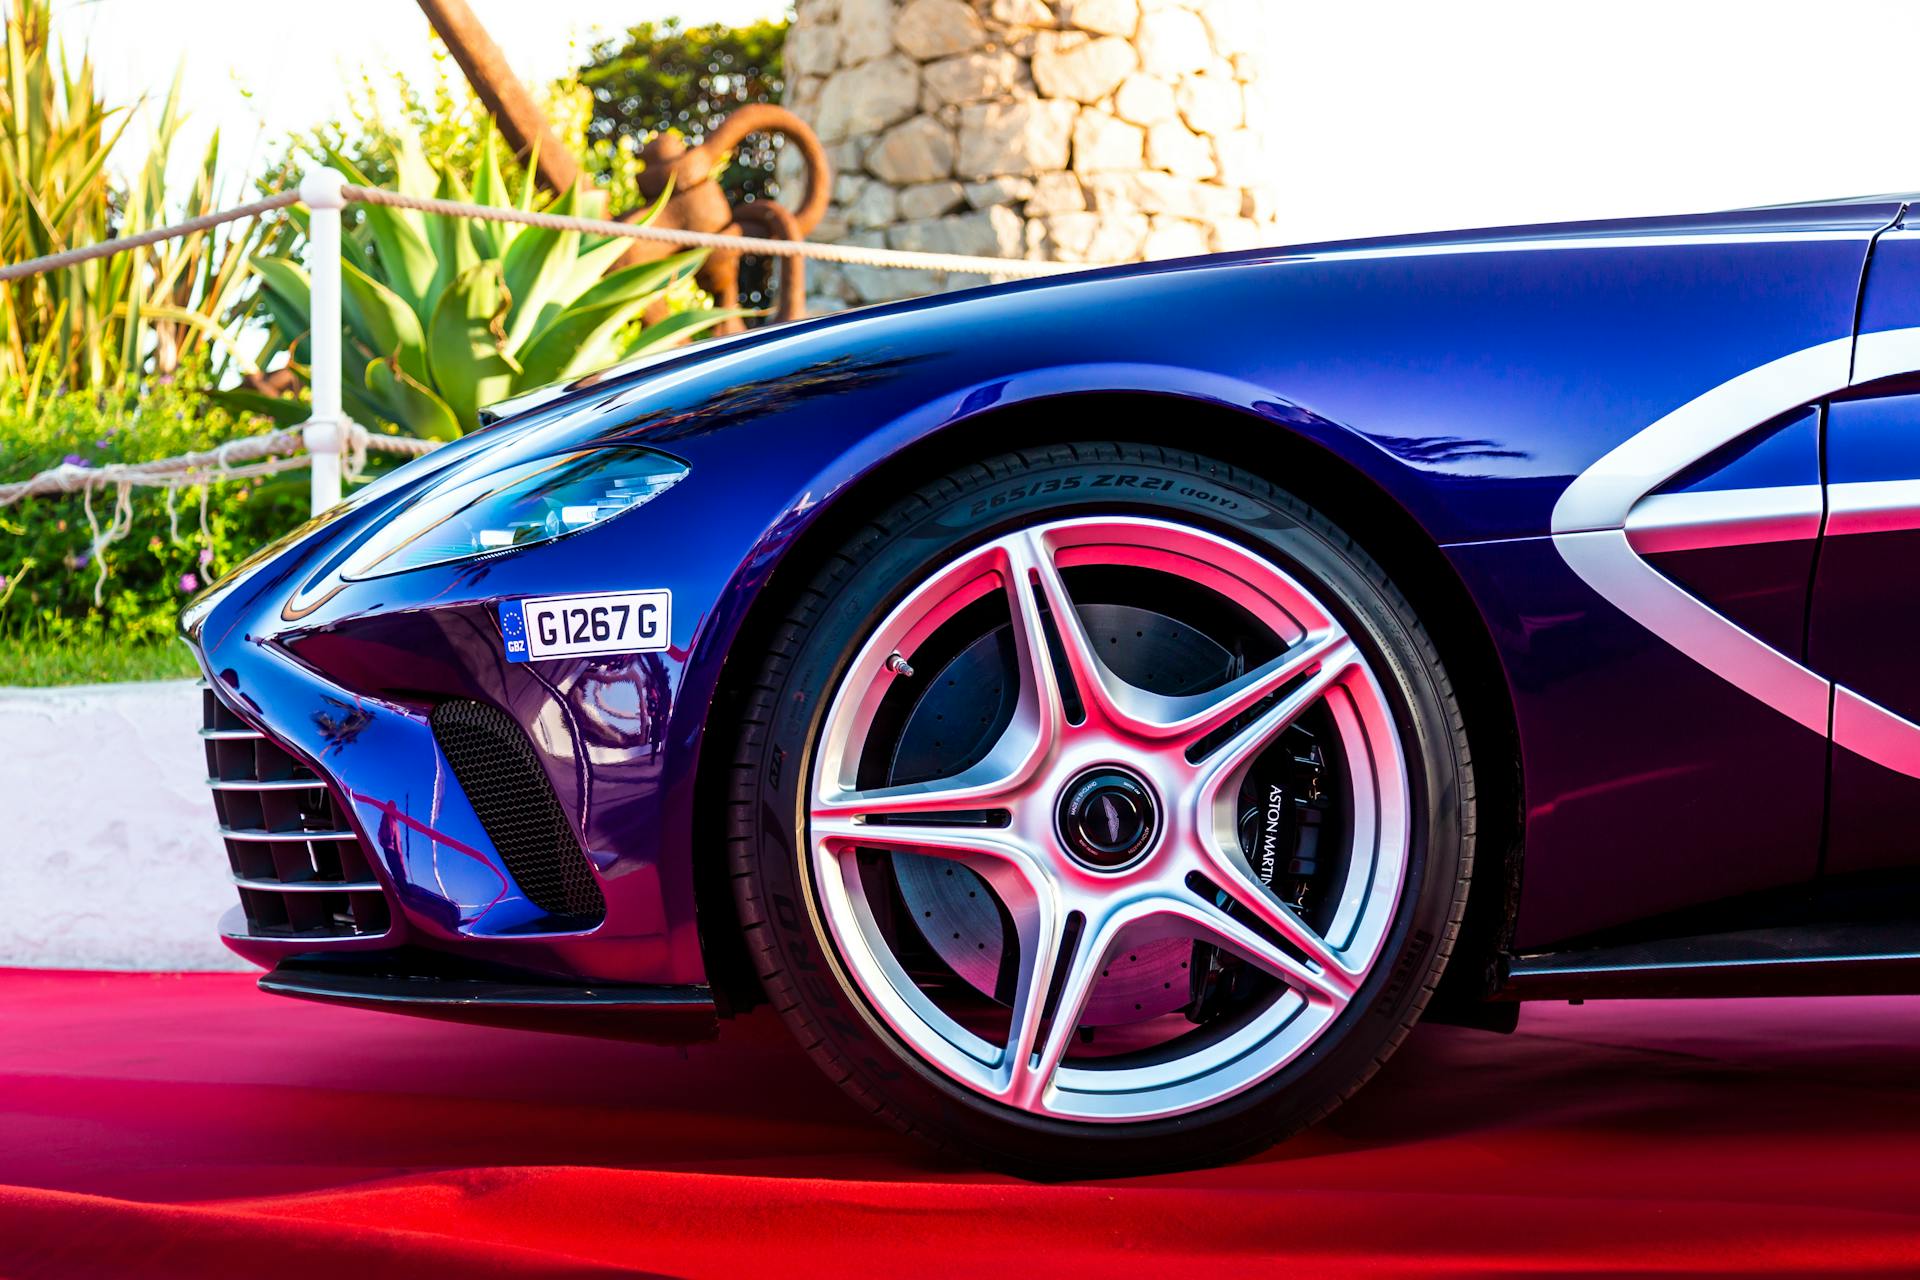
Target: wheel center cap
{"points": [[1107, 818]]}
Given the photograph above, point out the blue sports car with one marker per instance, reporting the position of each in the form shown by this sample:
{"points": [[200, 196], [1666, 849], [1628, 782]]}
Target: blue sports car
{"points": [[1103, 715]]}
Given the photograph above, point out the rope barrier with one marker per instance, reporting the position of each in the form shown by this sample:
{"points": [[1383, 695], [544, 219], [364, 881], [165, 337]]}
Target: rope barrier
{"points": [[266, 454], [251, 457], [122, 244], [847, 254]]}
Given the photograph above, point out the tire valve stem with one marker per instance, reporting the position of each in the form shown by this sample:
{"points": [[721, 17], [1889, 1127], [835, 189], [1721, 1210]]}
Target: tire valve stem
{"points": [[899, 665]]}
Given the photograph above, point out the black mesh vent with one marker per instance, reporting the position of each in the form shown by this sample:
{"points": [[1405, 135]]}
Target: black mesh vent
{"points": [[503, 780]]}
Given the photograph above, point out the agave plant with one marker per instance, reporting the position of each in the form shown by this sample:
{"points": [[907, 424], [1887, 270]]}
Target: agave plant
{"points": [[102, 325], [447, 315]]}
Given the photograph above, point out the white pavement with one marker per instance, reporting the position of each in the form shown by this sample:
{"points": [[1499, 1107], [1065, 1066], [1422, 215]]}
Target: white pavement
{"points": [[108, 852]]}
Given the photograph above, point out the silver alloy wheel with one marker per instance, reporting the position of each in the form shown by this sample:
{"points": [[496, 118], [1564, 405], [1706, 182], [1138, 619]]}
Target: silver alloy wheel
{"points": [[1068, 914]]}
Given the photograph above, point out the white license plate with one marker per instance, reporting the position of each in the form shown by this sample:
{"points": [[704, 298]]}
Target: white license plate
{"points": [[572, 626]]}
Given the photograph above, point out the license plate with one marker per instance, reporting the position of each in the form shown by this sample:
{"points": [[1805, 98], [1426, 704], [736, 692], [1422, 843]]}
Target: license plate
{"points": [[573, 626]]}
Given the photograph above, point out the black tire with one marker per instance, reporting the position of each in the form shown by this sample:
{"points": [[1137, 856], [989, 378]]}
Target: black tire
{"points": [[824, 623]]}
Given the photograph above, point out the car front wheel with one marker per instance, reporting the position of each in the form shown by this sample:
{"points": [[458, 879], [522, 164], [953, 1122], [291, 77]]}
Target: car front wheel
{"points": [[1101, 809]]}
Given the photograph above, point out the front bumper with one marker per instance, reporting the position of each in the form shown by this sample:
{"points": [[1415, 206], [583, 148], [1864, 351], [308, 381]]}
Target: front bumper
{"points": [[348, 830], [337, 762]]}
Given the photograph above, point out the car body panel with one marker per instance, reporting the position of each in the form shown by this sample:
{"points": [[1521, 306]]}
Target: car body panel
{"points": [[1649, 789], [1866, 606], [1863, 598], [1890, 301], [1760, 585], [1470, 377]]}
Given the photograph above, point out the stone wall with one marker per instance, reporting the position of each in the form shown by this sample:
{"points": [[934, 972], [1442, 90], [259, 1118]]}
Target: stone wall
{"points": [[1073, 130]]}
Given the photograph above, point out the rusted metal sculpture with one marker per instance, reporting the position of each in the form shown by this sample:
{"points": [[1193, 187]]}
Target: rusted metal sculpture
{"points": [[698, 202]]}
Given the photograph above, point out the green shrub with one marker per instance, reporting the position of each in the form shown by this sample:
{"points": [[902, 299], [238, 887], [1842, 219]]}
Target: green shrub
{"points": [[106, 323], [54, 591]]}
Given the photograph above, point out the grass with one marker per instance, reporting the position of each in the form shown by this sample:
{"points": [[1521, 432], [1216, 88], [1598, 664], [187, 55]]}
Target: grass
{"points": [[35, 663]]}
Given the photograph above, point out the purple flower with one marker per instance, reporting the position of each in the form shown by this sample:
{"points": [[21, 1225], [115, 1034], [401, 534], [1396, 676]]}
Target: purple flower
{"points": [[75, 460], [189, 583], [79, 560], [206, 556]]}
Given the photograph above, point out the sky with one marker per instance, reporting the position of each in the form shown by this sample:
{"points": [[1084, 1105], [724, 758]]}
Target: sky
{"points": [[1475, 113], [261, 69], [1399, 114]]}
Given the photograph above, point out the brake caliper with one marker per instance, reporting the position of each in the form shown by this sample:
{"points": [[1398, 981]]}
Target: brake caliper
{"points": [[1283, 806]]}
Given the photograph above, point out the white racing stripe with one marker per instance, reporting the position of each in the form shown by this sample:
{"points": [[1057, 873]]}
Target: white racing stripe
{"points": [[1724, 518], [1873, 506], [1609, 517]]}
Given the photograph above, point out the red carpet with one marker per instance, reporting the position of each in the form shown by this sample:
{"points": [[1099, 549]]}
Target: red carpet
{"points": [[188, 1126]]}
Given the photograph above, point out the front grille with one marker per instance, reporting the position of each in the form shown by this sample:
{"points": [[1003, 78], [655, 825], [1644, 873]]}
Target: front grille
{"points": [[299, 867], [509, 791]]}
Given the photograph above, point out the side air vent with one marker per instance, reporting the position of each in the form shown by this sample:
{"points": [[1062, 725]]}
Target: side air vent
{"points": [[503, 780], [298, 866]]}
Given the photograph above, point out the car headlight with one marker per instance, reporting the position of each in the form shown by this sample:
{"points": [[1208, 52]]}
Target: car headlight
{"points": [[515, 506]]}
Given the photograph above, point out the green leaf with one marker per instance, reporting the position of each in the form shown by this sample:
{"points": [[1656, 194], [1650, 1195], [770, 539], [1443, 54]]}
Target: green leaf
{"points": [[539, 263], [362, 406], [286, 278], [412, 170], [387, 325], [453, 249], [411, 404], [406, 258], [286, 329], [530, 177], [463, 349], [80, 185], [283, 412], [490, 187], [654, 209], [597, 257], [581, 337], [288, 301], [619, 343], [642, 280], [580, 334], [686, 324]]}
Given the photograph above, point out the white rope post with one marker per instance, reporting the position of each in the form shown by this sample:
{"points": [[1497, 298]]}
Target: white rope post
{"points": [[325, 431]]}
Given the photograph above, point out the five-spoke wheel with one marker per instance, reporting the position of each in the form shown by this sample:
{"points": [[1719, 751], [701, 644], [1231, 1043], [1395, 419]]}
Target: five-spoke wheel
{"points": [[1088, 754], [1108, 816]]}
